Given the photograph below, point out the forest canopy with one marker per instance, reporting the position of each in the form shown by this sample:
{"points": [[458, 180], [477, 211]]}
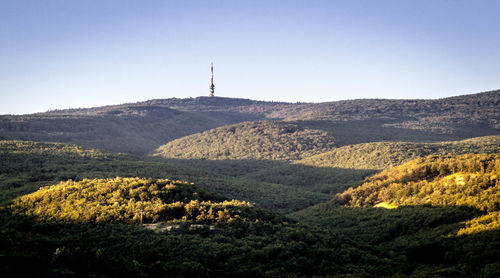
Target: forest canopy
{"points": [[130, 200]]}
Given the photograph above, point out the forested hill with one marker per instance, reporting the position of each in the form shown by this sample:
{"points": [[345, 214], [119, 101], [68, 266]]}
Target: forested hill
{"points": [[141, 127], [250, 140]]}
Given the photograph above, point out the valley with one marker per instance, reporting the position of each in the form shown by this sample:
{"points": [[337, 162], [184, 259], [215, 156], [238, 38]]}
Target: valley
{"points": [[358, 188]]}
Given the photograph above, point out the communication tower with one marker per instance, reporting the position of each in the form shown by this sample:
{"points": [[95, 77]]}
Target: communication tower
{"points": [[212, 86]]}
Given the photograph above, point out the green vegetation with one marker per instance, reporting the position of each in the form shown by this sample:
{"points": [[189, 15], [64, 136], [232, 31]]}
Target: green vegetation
{"points": [[69, 211], [419, 241], [250, 140], [324, 180], [97, 246], [235, 249], [128, 200], [88, 237], [382, 155]]}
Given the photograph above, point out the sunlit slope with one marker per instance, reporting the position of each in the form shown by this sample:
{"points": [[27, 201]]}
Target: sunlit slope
{"points": [[382, 155], [131, 200], [269, 140], [25, 166], [426, 192], [471, 180]]}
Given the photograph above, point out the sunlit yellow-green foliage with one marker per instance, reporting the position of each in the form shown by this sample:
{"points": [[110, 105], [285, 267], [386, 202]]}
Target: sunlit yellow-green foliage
{"points": [[126, 199], [271, 140], [382, 155], [490, 221], [466, 180]]}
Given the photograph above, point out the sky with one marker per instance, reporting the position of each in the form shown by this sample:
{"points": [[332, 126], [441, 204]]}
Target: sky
{"points": [[57, 54]]}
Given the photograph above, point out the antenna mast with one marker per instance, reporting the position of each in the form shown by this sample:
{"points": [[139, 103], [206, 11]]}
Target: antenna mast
{"points": [[212, 86]]}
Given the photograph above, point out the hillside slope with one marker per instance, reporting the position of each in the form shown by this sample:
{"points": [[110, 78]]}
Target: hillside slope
{"points": [[381, 155], [471, 180], [250, 140], [130, 200]]}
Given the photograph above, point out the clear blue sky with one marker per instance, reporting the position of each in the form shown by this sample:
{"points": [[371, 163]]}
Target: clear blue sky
{"points": [[83, 53]]}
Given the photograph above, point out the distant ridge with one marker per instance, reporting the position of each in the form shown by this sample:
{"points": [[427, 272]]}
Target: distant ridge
{"points": [[140, 128]]}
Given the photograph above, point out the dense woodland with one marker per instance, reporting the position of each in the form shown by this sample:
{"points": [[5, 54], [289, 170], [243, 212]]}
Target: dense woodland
{"points": [[362, 188]]}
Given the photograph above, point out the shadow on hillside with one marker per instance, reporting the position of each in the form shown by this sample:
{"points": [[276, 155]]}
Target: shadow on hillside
{"points": [[324, 180], [419, 234], [409, 238], [380, 226]]}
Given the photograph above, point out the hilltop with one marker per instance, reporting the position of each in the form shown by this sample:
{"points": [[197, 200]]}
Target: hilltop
{"points": [[250, 140], [140, 128]]}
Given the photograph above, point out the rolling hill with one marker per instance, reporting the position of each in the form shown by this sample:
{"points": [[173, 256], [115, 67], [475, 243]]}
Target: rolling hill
{"points": [[268, 140], [444, 115], [135, 129]]}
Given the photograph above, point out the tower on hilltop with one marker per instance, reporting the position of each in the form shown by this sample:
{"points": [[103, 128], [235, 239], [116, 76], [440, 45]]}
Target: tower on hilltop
{"points": [[212, 86]]}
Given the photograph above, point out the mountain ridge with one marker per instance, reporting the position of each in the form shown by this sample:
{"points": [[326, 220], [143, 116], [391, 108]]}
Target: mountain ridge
{"points": [[177, 101], [141, 127]]}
